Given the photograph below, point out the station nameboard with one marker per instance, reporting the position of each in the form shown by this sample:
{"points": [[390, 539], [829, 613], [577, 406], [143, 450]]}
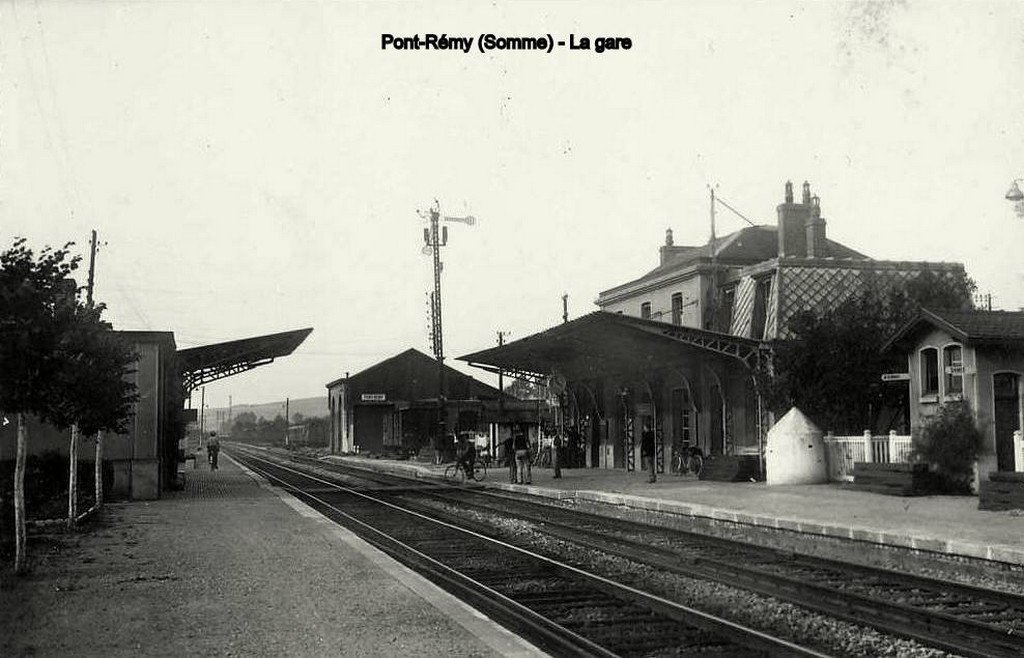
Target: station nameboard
{"points": [[373, 397], [896, 377]]}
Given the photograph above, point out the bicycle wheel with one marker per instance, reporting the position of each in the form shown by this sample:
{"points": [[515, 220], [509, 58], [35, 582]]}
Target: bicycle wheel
{"points": [[697, 465], [678, 463], [479, 471], [454, 473]]}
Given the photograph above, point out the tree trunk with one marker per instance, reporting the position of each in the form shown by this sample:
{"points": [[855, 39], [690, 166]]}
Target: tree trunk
{"points": [[99, 470], [19, 496], [73, 477]]}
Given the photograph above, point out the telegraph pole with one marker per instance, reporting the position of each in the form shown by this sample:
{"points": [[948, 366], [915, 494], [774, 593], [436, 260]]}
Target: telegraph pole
{"points": [[565, 307], [287, 403]]}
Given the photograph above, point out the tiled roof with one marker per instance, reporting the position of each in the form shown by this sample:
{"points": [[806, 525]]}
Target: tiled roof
{"points": [[1000, 327], [981, 325], [747, 246]]}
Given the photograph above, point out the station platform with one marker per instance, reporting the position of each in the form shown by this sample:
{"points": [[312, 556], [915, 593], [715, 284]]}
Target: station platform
{"points": [[230, 567], [946, 525]]}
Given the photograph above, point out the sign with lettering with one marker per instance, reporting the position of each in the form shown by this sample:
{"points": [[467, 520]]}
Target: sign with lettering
{"points": [[373, 397], [896, 377]]}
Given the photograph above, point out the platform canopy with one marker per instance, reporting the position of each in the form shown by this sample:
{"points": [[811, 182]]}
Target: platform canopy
{"points": [[202, 365], [603, 342]]}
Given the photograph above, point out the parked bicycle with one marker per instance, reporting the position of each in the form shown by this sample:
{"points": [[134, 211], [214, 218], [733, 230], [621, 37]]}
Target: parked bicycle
{"points": [[456, 472], [687, 460]]}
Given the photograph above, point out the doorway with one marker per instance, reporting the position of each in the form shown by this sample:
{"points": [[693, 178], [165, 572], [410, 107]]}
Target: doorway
{"points": [[1006, 395]]}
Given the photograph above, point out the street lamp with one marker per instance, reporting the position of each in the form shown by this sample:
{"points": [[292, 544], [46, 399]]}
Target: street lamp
{"points": [[1014, 193]]}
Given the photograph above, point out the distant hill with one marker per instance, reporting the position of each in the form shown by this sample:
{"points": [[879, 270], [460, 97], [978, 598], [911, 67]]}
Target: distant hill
{"points": [[308, 407]]}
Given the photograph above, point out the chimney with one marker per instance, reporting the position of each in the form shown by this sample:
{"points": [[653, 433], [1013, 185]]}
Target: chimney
{"points": [[816, 245], [792, 227]]}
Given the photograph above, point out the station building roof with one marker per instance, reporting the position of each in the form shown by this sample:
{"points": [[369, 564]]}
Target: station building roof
{"points": [[972, 326], [601, 342], [207, 363], [413, 376]]}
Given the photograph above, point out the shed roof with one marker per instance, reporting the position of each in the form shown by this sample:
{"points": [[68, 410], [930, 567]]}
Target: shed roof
{"points": [[973, 326], [201, 365], [413, 375]]}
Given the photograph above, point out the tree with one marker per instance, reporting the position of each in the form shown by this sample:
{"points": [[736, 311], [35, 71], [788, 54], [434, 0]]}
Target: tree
{"points": [[91, 394], [57, 359], [950, 442], [831, 368], [33, 294], [525, 390]]}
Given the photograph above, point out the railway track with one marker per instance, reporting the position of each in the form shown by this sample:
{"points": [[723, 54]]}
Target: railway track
{"points": [[957, 618], [562, 608]]}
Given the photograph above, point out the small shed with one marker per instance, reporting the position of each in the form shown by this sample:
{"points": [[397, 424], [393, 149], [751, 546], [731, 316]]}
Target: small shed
{"points": [[795, 451], [971, 355], [393, 405]]}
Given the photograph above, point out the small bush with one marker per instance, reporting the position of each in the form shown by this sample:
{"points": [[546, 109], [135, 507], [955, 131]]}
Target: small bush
{"points": [[950, 442]]}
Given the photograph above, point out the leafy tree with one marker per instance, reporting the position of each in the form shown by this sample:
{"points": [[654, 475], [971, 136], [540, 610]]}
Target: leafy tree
{"points": [[831, 368], [525, 390], [91, 393], [950, 441], [57, 360], [34, 294]]}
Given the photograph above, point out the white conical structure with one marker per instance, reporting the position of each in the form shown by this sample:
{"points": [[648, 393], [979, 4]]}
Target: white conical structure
{"points": [[795, 451]]}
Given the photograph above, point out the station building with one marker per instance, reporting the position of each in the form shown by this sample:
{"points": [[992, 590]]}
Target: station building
{"points": [[977, 356], [142, 462], [392, 407], [676, 348]]}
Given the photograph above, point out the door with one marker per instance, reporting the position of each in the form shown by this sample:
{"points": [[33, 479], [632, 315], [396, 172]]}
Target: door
{"points": [[369, 429], [1006, 393]]}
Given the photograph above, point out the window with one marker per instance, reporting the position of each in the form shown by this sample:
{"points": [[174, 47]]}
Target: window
{"points": [[645, 310], [953, 360], [725, 311], [677, 308], [929, 371], [762, 295]]}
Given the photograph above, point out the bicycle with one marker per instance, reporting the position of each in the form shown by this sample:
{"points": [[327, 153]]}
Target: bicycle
{"points": [[456, 472], [687, 461]]}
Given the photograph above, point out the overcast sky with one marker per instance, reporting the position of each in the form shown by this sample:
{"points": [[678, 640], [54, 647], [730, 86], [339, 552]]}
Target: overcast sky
{"points": [[254, 167]]}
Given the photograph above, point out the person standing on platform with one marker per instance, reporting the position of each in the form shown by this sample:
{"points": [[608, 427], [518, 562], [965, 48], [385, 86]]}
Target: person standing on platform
{"points": [[647, 451], [521, 444], [556, 449], [509, 453], [213, 450]]}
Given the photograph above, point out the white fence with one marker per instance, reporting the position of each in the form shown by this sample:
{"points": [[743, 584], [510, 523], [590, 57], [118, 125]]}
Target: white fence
{"points": [[841, 452]]}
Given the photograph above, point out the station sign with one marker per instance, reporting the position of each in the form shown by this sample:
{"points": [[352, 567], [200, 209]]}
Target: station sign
{"points": [[373, 397], [896, 377]]}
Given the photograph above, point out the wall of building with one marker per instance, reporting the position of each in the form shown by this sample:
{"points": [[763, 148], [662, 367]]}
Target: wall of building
{"points": [[990, 361], [660, 299]]}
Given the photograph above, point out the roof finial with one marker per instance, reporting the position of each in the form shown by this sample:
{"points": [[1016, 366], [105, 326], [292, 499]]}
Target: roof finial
{"points": [[789, 191], [807, 193], [668, 237]]}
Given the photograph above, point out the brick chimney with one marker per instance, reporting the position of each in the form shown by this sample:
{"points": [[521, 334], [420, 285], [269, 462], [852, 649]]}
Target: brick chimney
{"points": [[792, 227], [816, 243], [669, 251]]}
